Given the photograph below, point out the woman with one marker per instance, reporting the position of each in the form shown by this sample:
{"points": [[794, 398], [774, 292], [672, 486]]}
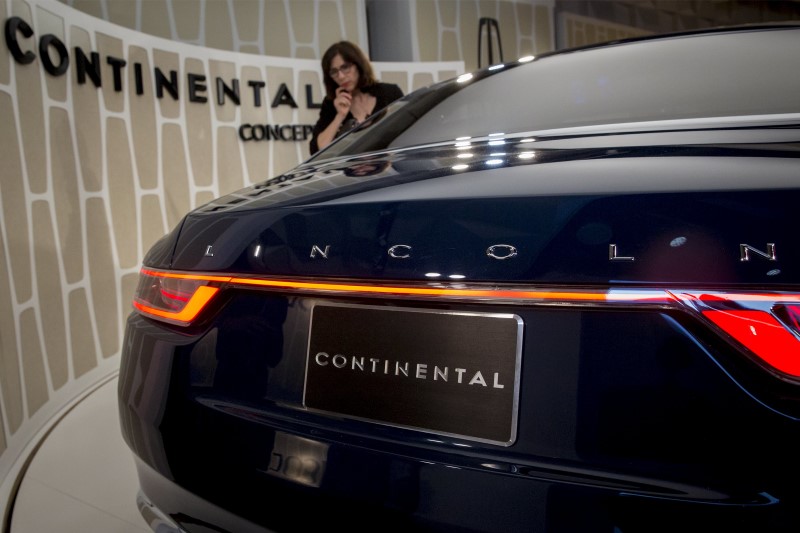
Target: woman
{"points": [[352, 93]]}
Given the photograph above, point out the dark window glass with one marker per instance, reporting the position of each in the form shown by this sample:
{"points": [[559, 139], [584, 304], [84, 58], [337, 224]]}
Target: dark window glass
{"points": [[683, 78]]}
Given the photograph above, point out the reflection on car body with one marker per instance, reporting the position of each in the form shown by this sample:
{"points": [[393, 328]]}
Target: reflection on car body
{"points": [[561, 294]]}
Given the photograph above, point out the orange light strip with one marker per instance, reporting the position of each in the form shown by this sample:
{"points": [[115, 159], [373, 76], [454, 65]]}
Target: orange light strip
{"points": [[422, 291], [416, 291], [655, 297], [651, 296], [177, 275]]}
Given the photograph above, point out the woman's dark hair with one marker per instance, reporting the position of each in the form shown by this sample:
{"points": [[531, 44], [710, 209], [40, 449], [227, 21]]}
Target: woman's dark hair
{"points": [[350, 53]]}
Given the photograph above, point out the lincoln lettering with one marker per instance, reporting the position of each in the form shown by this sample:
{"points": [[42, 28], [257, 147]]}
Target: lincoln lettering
{"points": [[374, 365], [507, 251]]}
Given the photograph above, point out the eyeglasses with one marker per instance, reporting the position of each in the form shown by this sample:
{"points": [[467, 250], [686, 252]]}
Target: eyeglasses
{"points": [[344, 69]]}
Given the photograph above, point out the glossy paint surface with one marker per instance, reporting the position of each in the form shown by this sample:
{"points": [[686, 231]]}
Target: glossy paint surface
{"points": [[681, 212], [652, 276]]}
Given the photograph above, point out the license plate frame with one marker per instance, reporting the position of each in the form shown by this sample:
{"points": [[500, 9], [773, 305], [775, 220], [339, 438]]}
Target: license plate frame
{"points": [[450, 373]]}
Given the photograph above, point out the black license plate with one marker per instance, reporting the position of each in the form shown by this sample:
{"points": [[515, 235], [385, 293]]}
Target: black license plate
{"points": [[449, 373]]}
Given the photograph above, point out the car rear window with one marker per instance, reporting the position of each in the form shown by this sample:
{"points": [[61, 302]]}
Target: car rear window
{"points": [[727, 74]]}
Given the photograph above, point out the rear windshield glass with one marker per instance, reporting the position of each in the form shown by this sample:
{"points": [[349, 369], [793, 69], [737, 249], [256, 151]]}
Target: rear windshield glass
{"points": [[684, 77]]}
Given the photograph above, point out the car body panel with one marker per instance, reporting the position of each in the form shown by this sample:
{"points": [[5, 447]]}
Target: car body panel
{"points": [[608, 291], [696, 194]]}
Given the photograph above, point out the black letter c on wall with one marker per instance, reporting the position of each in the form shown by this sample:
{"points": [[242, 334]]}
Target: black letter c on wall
{"points": [[14, 25]]}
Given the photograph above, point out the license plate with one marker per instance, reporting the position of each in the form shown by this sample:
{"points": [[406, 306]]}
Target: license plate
{"points": [[449, 373]]}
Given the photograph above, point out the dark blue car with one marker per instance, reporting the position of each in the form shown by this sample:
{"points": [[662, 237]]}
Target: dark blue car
{"points": [[555, 295]]}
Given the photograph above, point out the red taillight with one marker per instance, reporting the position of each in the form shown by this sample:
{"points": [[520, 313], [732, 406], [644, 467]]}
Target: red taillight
{"points": [[763, 335], [174, 298], [764, 323]]}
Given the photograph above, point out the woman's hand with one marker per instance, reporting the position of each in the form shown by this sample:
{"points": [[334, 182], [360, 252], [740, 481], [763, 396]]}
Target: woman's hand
{"points": [[342, 102]]}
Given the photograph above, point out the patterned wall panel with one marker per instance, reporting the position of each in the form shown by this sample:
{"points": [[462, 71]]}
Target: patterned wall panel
{"points": [[441, 30], [282, 28], [577, 30], [94, 171], [448, 30]]}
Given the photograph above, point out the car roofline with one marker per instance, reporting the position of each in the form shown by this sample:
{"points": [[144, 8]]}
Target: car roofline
{"points": [[739, 28], [654, 126]]}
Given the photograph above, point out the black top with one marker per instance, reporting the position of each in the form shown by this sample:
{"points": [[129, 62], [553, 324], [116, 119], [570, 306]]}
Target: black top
{"points": [[384, 93]]}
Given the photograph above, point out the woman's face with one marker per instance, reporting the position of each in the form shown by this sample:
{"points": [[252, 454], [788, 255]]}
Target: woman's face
{"points": [[344, 73]]}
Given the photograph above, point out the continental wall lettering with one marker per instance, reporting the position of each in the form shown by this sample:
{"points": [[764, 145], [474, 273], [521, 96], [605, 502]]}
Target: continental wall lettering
{"points": [[91, 69]]}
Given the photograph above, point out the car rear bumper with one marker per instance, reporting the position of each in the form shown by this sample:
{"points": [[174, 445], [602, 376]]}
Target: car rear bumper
{"points": [[639, 427], [170, 514], [446, 499]]}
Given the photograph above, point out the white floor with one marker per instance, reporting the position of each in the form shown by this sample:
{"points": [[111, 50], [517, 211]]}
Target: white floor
{"points": [[82, 478]]}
